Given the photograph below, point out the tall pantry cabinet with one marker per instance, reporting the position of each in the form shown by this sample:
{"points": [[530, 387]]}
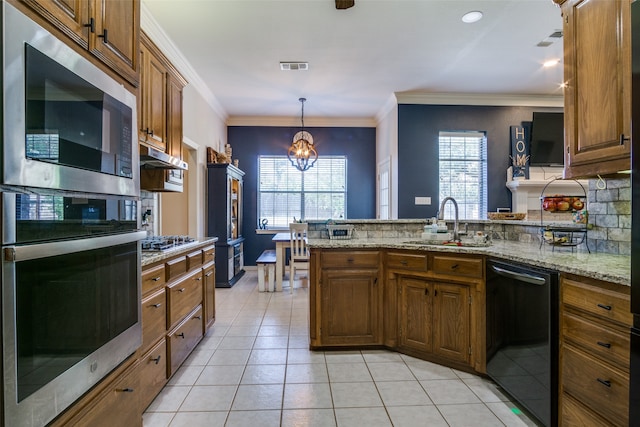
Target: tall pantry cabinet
{"points": [[224, 221]]}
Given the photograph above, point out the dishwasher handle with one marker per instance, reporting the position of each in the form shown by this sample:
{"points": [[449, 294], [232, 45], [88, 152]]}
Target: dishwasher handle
{"points": [[523, 277]]}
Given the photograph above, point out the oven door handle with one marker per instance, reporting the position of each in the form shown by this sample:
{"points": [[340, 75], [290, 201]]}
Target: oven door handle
{"points": [[63, 247], [523, 277]]}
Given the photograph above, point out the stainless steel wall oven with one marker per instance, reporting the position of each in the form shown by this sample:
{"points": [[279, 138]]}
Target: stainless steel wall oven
{"points": [[70, 298]]}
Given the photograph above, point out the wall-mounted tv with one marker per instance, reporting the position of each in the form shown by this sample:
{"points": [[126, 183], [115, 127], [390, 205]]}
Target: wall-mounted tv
{"points": [[547, 139]]}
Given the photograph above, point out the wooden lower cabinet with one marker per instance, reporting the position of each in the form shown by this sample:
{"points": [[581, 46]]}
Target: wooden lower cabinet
{"points": [[351, 308], [153, 373], [183, 339], [429, 305], [434, 318], [451, 320], [594, 352], [350, 294], [118, 405], [209, 294]]}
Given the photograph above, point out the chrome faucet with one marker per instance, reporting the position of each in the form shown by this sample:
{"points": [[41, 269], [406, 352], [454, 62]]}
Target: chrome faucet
{"points": [[456, 235]]}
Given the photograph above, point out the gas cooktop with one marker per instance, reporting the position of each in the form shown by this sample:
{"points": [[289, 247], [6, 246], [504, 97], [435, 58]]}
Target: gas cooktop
{"points": [[164, 243]]}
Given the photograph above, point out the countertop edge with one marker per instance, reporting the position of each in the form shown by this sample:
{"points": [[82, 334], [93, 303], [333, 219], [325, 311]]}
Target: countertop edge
{"points": [[606, 267], [148, 258]]}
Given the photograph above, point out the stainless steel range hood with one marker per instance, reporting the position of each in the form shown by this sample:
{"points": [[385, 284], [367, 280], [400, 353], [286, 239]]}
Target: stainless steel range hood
{"points": [[151, 158]]}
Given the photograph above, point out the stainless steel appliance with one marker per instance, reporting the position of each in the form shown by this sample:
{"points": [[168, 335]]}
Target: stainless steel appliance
{"points": [[64, 120], [634, 380], [522, 335], [70, 298]]}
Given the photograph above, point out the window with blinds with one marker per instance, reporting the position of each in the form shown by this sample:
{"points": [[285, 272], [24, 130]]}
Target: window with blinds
{"points": [[463, 173], [285, 193]]}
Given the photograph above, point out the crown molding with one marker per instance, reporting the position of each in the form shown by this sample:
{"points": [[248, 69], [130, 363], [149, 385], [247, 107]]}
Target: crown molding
{"points": [[280, 121], [151, 27], [505, 100]]}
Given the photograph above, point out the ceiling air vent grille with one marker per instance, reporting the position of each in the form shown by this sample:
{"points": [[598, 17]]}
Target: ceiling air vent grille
{"points": [[294, 66], [557, 34]]}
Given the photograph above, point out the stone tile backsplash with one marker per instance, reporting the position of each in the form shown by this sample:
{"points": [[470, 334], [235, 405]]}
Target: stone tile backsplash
{"points": [[609, 207]]}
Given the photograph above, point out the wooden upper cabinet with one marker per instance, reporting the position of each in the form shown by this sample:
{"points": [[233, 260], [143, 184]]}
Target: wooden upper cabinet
{"points": [[597, 70], [117, 35], [160, 100], [109, 30], [70, 16]]}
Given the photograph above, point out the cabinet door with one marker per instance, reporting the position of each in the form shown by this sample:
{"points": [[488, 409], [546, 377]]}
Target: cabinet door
{"points": [[598, 93], [174, 118], [415, 314], [451, 319], [117, 35], [69, 16], [209, 295], [153, 94], [350, 307]]}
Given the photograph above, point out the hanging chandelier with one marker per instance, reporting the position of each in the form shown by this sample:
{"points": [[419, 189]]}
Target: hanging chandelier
{"points": [[302, 154]]}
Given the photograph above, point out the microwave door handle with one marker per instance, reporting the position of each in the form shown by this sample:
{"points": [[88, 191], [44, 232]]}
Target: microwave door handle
{"points": [[43, 250], [523, 277]]}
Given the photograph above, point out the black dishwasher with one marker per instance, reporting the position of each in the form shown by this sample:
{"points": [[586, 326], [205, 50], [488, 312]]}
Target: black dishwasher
{"points": [[522, 335]]}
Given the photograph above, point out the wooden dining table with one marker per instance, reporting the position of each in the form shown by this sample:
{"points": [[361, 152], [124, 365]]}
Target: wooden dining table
{"points": [[282, 241]]}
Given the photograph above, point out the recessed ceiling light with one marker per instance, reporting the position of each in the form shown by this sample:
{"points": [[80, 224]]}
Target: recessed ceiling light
{"points": [[551, 63], [473, 16]]}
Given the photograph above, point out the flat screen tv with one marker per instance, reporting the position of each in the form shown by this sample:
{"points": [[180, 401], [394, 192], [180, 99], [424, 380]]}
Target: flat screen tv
{"points": [[547, 139]]}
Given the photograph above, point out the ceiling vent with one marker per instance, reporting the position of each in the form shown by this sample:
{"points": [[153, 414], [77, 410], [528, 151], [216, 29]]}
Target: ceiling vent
{"points": [[557, 34], [294, 66]]}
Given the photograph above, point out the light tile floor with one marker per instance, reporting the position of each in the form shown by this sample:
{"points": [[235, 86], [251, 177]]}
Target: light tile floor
{"points": [[254, 369]]}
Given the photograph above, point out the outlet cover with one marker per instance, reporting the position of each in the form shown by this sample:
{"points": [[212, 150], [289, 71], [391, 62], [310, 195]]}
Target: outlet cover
{"points": [[423, 200]]}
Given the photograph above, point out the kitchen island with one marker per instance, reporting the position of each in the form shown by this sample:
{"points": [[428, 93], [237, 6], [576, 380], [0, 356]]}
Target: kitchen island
{"points": [[430, 301]]}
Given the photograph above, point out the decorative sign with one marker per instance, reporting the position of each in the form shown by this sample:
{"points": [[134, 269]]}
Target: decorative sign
{"points": [[520, 152]]}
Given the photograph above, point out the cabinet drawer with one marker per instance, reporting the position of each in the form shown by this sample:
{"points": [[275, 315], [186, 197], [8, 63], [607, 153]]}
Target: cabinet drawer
{"points": [[350, 259], [407, 261], [153, 278], [194, 259], [153, 373], [154, 318], [609, 344], [183, 296], [118, 405], [597, 385], [457, 266], [576, 414], [209, 254], [601, 302], [183, 339], [176, 267]]}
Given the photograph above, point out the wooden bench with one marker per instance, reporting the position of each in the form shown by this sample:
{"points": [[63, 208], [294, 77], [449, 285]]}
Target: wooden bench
{"points": [[266, 259]]}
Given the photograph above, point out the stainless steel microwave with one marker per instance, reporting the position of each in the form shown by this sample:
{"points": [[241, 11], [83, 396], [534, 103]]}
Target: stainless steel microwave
{"points": [[66, 124]]}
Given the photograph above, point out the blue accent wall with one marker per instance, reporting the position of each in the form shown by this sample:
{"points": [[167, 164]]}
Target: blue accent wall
{"points": [[358, 144], [418, 129]]}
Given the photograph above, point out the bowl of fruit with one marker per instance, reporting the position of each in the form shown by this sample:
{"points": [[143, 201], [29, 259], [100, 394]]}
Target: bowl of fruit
{"points": [[562, 203]]}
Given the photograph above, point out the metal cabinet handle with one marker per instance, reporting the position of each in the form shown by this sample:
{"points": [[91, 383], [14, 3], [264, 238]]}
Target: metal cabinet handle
{"points": [[156, 359], [156, 279], [181, 290], [605, 307], [604, 344], [158, 305], [125, 390], [180, 335], [454, 266], [91, 25], [623, 139], [209, 274], [198, 278], [604, 382], [104, 36], [197, 317], [404, 262]]}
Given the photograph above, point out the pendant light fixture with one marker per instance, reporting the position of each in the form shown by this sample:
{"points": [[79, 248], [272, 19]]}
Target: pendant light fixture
{"points": [[302, 154]]}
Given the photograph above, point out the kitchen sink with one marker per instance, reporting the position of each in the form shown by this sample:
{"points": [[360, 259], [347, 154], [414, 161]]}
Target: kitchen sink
{"points": [[469, 243]]}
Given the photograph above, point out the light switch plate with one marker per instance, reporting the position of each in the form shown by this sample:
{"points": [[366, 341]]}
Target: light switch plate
{"points": [[423, 200]]}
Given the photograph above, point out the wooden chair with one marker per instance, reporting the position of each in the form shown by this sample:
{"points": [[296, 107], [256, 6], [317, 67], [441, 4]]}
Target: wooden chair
{"points": [[299, 250]]}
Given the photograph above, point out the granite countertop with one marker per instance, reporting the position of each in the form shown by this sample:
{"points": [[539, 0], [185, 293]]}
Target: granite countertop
{"points": [[607, 267], [155, 256]]}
